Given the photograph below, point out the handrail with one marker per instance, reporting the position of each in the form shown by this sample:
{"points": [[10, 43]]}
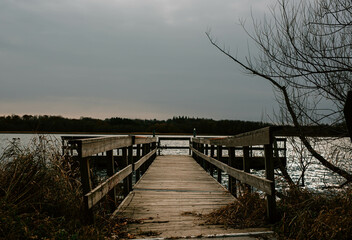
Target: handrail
{"points": [[252, 138], [141, 161], [247, 140], [262, 184], [90, 146], [94, 196]]}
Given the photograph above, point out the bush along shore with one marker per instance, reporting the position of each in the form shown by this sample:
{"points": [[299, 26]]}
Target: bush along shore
{"points": [[41, 198]]}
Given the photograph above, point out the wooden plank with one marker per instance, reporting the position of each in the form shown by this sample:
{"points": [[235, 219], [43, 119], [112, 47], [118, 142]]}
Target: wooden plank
{"points": [[174, 138], [169, 196], [144, 140], [91, 146], [143, 159], [257, 182], [308, 131], [100, 191], [258, 137]]}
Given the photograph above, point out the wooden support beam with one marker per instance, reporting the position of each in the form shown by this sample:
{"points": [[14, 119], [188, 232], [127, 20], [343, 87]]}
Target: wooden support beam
{"points": [[86, 185], [110, 172], [232, 181], [124, 163], [94, 196], [91, 146], [130, 162], [219, 156], [269, 174], [246, 166], [138, 171], [145, 158], [212, 154]]}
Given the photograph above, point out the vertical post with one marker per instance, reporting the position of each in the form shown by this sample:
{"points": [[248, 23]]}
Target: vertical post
{"points": [[159, 146], [219, 153], [212, 150], [202, 161], [347, 110], [110, 171], [153, 147], [269, 174], [86, 183], [197, 148], [149, 160], [206, 152], [194, 146], [246, 167], [144, 152], [138, 153], [189, 143], [124, 163], [130, 161], [231, 163]]}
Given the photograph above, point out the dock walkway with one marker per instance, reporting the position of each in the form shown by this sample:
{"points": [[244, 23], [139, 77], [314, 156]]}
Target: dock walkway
{"points": [[169, 199]]}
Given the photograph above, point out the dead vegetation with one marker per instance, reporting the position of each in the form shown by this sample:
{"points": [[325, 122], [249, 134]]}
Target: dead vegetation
{"points": [[247, 212], [301, 215], [41, 198]]}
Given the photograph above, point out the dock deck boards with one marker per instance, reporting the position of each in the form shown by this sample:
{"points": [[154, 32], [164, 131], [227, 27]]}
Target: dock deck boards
{"points": [[169, 197]]}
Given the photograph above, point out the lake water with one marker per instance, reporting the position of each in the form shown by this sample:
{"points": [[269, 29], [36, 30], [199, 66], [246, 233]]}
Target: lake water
{"points": [[316, 176]]}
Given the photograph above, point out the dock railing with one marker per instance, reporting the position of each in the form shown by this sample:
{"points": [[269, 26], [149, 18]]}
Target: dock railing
{"points": [[246, 143], [87, 150]]}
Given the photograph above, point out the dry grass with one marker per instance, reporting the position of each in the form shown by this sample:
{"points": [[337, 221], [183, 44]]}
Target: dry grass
{"points": [[247, 212], [305, 215], [41, 198], [301, 215]]}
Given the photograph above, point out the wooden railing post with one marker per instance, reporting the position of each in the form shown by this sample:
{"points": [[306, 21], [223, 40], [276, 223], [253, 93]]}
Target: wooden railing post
{"points": [[159, 146], [86, 184], [194, 146], [124, 163], [130, 161], [202, 161], [206, 152], [189, 143], [219, 155], [212, 150], [153, 147], [144, 152], [110, 171], [246, 167], [149, 160], [231, 163], [269, 174], [138, 156]]}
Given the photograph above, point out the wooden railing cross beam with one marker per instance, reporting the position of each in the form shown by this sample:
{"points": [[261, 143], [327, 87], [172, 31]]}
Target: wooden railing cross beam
{"points": [[102, 148]]}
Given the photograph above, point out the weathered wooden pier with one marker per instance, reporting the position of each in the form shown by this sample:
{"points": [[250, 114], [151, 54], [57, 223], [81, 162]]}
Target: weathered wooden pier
{"points": [[165, 195]]}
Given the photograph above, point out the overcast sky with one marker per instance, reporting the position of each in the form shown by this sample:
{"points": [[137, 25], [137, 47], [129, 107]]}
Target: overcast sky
{"points": [[133, 58]]}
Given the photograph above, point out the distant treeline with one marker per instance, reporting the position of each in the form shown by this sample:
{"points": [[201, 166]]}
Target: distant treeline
{"points": [[123, 125]]}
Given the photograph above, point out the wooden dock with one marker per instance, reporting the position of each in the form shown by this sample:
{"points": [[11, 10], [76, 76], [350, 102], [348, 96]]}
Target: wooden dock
{"points": [[173, 192], [169, 199]]}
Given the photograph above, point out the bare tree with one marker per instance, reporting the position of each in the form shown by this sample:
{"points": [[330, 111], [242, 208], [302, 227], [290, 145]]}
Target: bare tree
{"points": [[305, 53]]}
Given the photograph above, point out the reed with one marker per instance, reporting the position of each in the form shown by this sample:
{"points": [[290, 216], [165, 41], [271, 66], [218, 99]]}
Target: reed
{"points": [[41, 196], [301, 214]]}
